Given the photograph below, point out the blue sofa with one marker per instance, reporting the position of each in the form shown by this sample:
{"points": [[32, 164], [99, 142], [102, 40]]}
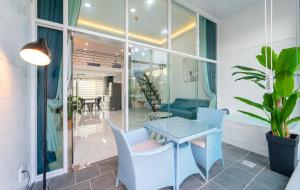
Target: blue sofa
{"points": [[186, 108]]}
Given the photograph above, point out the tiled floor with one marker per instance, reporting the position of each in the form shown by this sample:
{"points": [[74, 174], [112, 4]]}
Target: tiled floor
{"points": [[242, 170], [91, 131]]}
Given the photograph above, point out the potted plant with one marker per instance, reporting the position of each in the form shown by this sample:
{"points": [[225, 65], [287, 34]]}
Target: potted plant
{"points": [[74, 104], [277, 105]]}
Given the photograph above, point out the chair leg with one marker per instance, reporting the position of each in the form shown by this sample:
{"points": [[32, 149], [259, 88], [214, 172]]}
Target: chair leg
{"points": [[117, 181], [206, 174], [222, 161]]}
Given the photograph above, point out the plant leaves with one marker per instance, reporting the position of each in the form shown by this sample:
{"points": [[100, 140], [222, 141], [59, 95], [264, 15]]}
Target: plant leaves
{"points": [[268, 100], [288, 60], [265, 50], [254, 104], [284, 84], [289, 106], [293, 120], [247, 69], [254, 116], [248, 78]]}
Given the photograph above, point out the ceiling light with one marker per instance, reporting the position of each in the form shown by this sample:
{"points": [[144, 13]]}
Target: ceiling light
{"points": [[136, 49], [117, 54], [122, 50], [164, 32], [132, 10], [85, 49], [86, 43], [150, 2], [143, 53], [88, 5]]}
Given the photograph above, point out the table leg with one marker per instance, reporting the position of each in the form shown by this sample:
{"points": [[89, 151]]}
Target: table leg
{"points": [[176, 167]]}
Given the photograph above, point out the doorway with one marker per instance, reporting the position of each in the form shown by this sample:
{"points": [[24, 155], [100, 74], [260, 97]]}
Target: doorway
{"points": [[97, 90]]}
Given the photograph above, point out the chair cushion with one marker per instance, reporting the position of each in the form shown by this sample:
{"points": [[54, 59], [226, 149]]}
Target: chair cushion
{"points": [[145, 146], [200, 142]]}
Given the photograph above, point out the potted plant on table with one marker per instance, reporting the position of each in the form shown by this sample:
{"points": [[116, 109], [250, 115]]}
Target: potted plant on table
{"points": [[277, 104]]}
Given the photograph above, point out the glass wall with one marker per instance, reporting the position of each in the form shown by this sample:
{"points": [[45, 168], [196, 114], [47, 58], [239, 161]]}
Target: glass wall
{"points": [[103, 16], [183, 22], [55, 103], [148, 22], [148, 83]]}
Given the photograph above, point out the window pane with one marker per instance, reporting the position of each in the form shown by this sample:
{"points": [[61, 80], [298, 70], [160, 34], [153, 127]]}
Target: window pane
{"points": [[148, 85], [148, 21], [207, 38], [99, 15], [183, 29], [55, 103], [50, 10]]}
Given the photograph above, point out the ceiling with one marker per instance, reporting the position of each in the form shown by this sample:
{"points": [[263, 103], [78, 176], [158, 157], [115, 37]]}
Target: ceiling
{"points": [[221, 9]]}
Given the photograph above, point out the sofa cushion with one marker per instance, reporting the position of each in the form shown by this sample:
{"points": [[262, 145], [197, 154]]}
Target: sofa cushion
{"points": [[145, 146]]}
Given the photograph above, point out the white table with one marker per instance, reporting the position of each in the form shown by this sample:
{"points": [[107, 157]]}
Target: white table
{"points": [[181, 131]]}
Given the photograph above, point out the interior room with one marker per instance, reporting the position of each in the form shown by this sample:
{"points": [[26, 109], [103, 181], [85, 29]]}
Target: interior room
{"points": [[150, 94], [97, 74]]}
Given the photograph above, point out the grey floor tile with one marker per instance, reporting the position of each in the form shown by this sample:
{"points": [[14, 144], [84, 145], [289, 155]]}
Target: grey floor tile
{"points": [[255, 186], [80, 186], [62, 181], [264, 158], [211, 186], [103, 182], [256, 160], [120, 187], [237, 151], [191, 183], [166, 188], [271, 180], [226, 146], [107, 166], [240, 174], [87, 173], [215, 170], [228, 182], [258, 164], [230, 158]]}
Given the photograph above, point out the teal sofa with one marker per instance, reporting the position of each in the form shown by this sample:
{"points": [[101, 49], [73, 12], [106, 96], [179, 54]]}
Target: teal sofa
{"points": [[186, 108]]}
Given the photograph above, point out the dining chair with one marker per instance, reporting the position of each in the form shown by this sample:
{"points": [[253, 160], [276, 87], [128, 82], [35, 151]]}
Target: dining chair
{"points": [[208, 150], [143, 163]]}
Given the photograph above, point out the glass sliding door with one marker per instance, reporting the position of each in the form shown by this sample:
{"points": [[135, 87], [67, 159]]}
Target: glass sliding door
{"points": [[55, 103], [148, 84]]}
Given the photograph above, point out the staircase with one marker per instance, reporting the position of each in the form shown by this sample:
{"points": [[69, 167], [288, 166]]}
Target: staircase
{"points": [[148, 89]]}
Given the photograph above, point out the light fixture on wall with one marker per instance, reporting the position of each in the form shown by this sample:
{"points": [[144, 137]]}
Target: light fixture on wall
{"points": [[39, 54]]}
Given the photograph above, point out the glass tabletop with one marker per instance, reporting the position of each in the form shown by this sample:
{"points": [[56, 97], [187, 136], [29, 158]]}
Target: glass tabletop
{"points": [[179, 128]]}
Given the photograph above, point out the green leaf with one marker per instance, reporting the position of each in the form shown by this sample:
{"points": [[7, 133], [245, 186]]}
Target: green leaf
{"points": [[254, 116], [259, 84], [293, 120], [247, 69], [284, 84], [251, 103], [249, 78], [289, 107], [249, 73], [268, 101], [262, 58], [288, 60]]}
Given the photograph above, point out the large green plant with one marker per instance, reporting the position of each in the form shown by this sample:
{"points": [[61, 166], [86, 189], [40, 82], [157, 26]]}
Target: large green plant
{"points": [[278, 105]]}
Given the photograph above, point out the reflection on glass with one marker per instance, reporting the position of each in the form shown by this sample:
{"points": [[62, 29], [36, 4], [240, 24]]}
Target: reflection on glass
{"points": [[99, 15], [148, 85], [207, 38], [148, 22], [183, 29], [55, 103], [50, 10]]}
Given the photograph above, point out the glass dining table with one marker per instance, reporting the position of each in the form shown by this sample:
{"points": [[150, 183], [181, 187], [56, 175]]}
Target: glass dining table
{"points": [[181, 131]]}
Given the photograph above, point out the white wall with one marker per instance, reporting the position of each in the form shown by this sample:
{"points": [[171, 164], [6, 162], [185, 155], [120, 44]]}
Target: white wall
{"points": [[241, 37], [15, 136]]}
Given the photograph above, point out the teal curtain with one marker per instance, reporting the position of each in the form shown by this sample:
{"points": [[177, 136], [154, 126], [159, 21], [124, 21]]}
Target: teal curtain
{"points": [[51, 10], [74, 10], [207, 37]]}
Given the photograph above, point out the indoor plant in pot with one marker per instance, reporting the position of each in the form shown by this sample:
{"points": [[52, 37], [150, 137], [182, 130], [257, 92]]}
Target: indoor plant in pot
{"points": [[277, 104]]}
